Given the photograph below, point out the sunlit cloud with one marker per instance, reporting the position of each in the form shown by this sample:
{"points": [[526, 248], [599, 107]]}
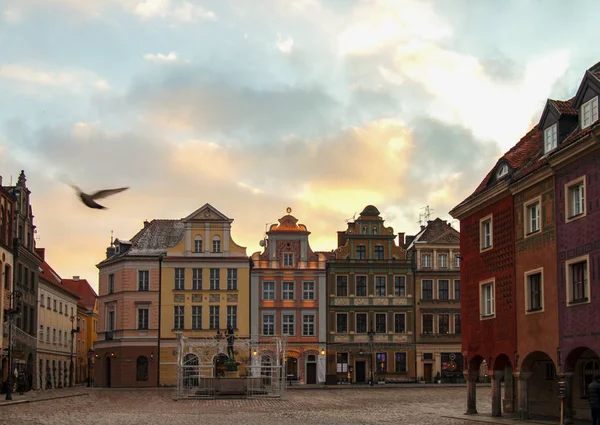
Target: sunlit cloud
{"points": [[284, 44], [181, 10]]}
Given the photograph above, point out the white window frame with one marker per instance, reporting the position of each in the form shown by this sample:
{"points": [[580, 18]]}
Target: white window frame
{"points": [[527, 288], [432, 324], [308, 324], [400, 290], [385, 287], [285, 324], [308, 290], [550, 138], [356, 322], [502, 171], [139, 309], [337, 331], [438, 323], [483, 236], [569, 280], [288, 259], [198, 241], [532, 212], [215, 279], [232, 279], [232, 316], [179, 279], [426, 260], [197, 279], [195, 317], [141, 287], [487, 307], [443, 261], [270, 325], [447, 292], [270, 291], [385, 315], [216, 244], [589, 108], [366, 285], [288, 290], [180, 308], [214, 317], [400, 314], [457, 261], [570, 205]]}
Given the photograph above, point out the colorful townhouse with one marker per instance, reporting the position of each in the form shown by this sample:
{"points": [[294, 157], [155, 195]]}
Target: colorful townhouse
{"points": [[7, 207], [370, 292], [289, 297], [435, 252]]}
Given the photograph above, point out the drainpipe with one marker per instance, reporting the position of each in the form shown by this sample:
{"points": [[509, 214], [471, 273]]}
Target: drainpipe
{"points": [[414, 288], [160, 260]]}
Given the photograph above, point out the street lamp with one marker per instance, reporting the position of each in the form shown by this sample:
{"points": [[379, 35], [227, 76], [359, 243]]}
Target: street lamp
{"points": [[12, 311], [73, 332], [371, 334]]}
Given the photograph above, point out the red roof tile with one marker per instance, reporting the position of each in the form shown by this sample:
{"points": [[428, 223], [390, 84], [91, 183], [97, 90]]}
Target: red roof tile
{"points": [[83, 290], [50, 276], [565, 107]]}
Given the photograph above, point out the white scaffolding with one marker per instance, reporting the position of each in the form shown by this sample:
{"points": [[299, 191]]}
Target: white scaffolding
{"points": [[202, 367]]}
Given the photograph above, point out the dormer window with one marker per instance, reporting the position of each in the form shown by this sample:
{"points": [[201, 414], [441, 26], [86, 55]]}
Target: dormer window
{"points": [[550, 138], [502, 171], [589, 112]]}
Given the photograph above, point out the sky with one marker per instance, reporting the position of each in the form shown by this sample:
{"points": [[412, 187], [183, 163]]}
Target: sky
{"points": [[253, 106]]}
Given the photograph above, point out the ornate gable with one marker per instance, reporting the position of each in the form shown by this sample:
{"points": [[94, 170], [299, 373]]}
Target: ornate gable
{"points": [[207, 213]]}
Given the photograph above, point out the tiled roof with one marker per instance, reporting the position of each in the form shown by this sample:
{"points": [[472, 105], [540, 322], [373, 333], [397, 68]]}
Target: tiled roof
{"points": [[49, 275], [565, 107], [434, 229], [83, 290]]}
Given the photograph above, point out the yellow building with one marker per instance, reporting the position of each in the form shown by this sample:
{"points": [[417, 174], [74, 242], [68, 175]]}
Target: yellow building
{"points": [[204, 286]]}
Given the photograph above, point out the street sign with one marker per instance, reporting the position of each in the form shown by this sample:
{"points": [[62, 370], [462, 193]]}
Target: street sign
{"points": [[562, 389]]}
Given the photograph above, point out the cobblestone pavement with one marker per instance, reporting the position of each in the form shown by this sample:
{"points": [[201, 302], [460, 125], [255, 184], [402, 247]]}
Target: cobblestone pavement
{"points": [[425, 406]]}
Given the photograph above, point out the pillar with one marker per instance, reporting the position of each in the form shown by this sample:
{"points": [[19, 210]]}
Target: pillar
{"points": [[568, 401], [497, 392], [471, 378], [508, 403], [522, 394]]}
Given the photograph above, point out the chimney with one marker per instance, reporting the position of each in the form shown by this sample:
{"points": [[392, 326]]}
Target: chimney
{"points": [[146, 223], [401, 238], [0, 180], [76, 278], [41, 252], [110, 251], [341, 238]]}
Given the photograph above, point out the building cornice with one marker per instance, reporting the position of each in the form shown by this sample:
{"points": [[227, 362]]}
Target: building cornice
{"points": [[487, 197], [531, 179], [565, 156]]}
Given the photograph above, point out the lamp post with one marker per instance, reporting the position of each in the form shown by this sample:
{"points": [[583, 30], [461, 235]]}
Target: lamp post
{"points": [[371, 334], [90, 358], [73, 332], [12, 311]]}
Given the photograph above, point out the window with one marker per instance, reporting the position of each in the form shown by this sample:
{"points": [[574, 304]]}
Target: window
{"points": [[590, 369], [400, 359], [427, 290], [308, 290], [232, 316], [60, 338], [457, 324], [288, 259], [380, 323], [361, 286], [214, 317], [141, 373], [60, 309], [232, 279], [443, 324], [288, 290], [575, 198], [341, 286], [577, 280], [42, 301], [457, 289], [361, 252], [198, 245], [589, 112], [308, 325], [268, 290], [111, 321], [143, 318], [341, 320], [487, 299], [502, 171], [457, 261], [48, 334], [197, 279], [378, 252], [179, 279], [215, 279], [380, 287], [361, 323], [268, 324], [486, 233], [443, 260], [196, 317], [381, 362], [443, 289], [400, 323], [288, 324], [342, 363], [400, 286], [143, 280], [532, 216], [49, 302], [427, 323], [426, 260], [178, 315], [550, 138], [533, 288], [54, 305], [216, 244]]}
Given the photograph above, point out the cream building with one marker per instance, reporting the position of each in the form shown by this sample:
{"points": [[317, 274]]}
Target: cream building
{"points": [[6, 264]]}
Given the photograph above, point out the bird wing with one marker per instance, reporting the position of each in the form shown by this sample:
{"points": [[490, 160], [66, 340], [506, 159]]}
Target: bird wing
{"points": [[107, 192]]}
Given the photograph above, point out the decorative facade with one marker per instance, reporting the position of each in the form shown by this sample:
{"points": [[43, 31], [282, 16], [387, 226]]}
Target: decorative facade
{"points": [[289, 297], [436, 256], [371, 309], [7, 207]]}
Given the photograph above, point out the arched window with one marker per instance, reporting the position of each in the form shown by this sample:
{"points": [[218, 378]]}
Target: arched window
{"points": [[191, 371], [198, 244], [502, 171], [591, 368], [216, 247], [142, 368]]}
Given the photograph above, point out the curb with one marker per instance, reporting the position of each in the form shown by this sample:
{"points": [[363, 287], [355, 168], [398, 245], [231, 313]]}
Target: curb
{"points": [[10, 403], [502, 421]]}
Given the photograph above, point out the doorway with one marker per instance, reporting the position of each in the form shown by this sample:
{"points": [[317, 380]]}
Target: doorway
{"points": [[107, 363], [427, 371], [361, 371], [311, 373]]}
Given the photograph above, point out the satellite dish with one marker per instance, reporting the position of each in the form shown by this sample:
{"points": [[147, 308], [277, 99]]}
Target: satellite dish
{"points": [[262, 242]]}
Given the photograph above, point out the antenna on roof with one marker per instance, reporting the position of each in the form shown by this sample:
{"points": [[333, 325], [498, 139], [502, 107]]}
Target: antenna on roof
{"points": [[353, 218], [427, 213], [111, 238]]}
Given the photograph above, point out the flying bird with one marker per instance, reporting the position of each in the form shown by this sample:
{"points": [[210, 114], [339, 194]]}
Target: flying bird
{"points": [[89, 199]]}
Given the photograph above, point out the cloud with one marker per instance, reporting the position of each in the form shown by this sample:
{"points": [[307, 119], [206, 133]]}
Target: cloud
{"points": [[284, 45], [181, 10], [102, 85], [159, 57], [12, 15], [45, 76]]}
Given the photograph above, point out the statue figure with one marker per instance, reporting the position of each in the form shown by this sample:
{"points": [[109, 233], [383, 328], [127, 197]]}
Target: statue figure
{"points": [[230, 341]]}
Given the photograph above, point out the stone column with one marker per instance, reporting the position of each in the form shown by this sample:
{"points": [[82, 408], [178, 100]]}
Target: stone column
{"points": [[471, 378], [497, 392], [568, 403], [508, 403], [522, 394]]}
